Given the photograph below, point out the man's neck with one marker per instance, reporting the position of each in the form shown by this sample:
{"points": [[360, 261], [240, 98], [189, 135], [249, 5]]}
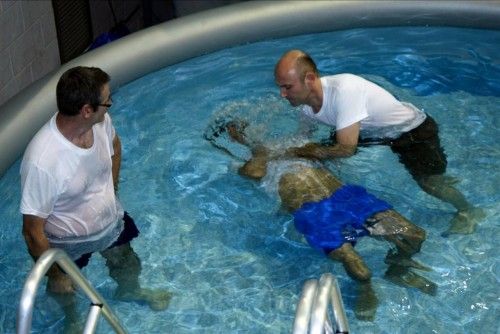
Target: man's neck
{"points": [[75, 130], [316, 96]]}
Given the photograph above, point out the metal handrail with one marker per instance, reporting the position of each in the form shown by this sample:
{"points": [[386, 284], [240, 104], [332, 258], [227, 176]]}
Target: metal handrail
{"points": [[311, 315], [98, 304]]}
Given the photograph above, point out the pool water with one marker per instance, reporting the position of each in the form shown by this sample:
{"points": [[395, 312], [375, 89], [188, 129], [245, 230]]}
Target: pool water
{"points": [[220, 242]]}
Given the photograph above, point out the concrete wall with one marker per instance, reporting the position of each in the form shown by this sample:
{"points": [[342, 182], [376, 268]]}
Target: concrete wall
{"points": [[28, 44], [28, 39]]}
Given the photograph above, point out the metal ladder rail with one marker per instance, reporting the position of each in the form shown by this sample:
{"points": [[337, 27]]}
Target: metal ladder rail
{"points": [[311, 314], [98, 304]]}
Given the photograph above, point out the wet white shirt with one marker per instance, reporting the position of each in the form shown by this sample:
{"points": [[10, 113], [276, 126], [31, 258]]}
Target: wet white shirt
{"points": [[348, 98], [71, 187]]}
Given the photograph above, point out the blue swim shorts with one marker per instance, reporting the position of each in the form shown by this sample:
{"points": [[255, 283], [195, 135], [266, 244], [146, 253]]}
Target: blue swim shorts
{"points": [[338, 219]]}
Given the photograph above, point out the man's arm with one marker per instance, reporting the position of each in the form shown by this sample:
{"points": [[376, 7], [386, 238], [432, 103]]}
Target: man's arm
{"points": [[345, 146], [116, 160], [256, 167], [37, 242], [34, 235]]}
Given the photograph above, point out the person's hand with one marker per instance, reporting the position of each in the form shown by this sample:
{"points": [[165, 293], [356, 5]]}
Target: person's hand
{"points": [[309, 150], [60, 283], [236, 131]]}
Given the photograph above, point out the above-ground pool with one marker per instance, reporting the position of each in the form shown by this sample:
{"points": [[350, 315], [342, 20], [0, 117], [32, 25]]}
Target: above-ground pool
{"points": [[220, 242]]}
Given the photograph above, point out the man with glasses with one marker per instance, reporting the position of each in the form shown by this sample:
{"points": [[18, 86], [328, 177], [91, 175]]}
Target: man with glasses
{"points": [[69, 179]]}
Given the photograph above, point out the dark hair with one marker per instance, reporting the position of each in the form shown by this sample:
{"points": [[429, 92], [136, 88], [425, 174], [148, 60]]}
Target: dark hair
{"points": [[79, 86], [306, 64]]}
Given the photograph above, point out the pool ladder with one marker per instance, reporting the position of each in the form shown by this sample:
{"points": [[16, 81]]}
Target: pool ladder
{"points": [[97, 306], [311, 313]]}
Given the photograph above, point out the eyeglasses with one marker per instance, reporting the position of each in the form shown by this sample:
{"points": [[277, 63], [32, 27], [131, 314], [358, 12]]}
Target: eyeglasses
{"points": [[106, 105]]}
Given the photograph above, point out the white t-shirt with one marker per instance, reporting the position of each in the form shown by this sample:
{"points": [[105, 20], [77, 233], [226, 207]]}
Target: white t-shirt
{"points": [[348, 98], [69, 186]]}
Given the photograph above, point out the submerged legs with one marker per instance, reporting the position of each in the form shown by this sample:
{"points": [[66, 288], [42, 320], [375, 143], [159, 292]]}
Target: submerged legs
{"points": [[408, 239], [467, 216], [125, 267], [72, 321], [352, 262], [366, 300]]}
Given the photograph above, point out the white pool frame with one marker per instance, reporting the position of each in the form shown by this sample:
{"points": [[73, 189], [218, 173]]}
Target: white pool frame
{"points": [[174, 41]]}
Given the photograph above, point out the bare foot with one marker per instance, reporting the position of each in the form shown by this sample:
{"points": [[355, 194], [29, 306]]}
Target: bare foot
{"points": [[465, 221], [404, 260], [405, 277], [366, 302], [73, 326], [158, 300]]}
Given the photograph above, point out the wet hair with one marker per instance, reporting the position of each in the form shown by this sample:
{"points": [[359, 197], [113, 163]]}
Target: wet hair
{"points": [[217, 128], [217, 134], [220, 126], [306, 64], [79, 86]]}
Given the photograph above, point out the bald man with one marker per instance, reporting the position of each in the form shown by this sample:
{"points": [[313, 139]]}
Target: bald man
{"points": [[363, 113]]}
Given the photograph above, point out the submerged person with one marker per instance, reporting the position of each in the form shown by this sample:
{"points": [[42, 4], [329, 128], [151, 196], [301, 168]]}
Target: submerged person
{"points": [[363, 113], [332, 216], [69, 180]]}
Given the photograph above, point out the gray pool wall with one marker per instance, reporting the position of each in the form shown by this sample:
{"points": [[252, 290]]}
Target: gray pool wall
{"points": [[174, 41]]}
